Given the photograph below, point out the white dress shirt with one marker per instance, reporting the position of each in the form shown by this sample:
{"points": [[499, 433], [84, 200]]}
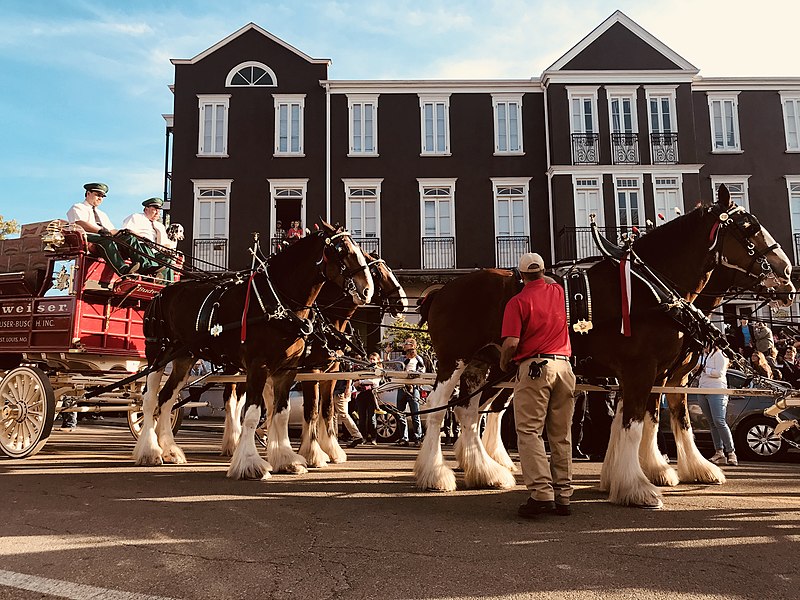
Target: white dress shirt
{"points": [[83, 212], [154, 231], [715, 370]]}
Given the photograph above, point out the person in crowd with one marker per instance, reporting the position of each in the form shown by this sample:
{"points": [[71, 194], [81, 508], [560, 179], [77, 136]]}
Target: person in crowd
{"points": [[342, 392], [101, 232], [295, 232], [713, 367], [771, 357], [743, 337], [597, 423], [578, 421], [408, 396], [763, 338], [536, 338], [367, 404], [760, 365], [278, 237], [450, 427], [146, 224], [201, 367], [788, 366]]}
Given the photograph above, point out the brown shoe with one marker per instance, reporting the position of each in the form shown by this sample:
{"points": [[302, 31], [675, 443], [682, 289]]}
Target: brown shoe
{"points": [[533, 508], [562, 510]]}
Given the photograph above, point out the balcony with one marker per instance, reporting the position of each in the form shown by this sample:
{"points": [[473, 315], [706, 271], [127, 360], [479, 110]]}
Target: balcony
{"points": [[438, 253], [585, 149], [369, 244], [796, 237], [625, 148], [510, 248], [210, 254], [576, 243], [664, 148]]}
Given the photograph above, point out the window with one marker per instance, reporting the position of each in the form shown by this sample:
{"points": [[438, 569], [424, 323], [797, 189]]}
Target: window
{"points": [[289, 125], [663, 125], [211, 215], [724, 112], [363, 212], [507, 124], [213, 138], [588, 201], [629, 209], [438, 217], [791, 119], [668, 198], [737, 186], [434, 121], [793, 183], [251, 74], [511, 220], [623, 125], [583, 125], [363, 125]]}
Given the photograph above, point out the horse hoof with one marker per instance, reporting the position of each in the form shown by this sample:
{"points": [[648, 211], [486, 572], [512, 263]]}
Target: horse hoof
{"points": [[649, 506], [292, 469], [149, 461]]}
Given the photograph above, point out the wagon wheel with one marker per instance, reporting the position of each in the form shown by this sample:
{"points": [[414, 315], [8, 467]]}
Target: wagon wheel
{"points": [[136, 417], [27, 411]]}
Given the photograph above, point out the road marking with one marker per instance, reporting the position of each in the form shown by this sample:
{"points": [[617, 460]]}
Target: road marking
{"points": [[67, 589]]}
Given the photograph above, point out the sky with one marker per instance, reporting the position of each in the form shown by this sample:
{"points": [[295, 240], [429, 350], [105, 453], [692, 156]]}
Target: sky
{"points": [[84, 83]]}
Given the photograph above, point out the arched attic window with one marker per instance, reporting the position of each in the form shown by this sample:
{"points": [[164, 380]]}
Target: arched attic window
{"points": [[251, 74]]}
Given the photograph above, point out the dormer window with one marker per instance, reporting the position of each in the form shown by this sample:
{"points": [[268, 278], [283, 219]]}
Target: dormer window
{"points": [[251, 74]]}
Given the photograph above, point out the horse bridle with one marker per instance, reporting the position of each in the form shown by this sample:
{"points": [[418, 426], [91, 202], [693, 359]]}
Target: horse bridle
{"points": [[383, 296], [745, 226], [339, 250]]}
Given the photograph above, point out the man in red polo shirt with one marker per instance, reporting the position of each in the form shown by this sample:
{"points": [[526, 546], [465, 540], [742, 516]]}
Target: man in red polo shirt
{"points": [[536, 338]]}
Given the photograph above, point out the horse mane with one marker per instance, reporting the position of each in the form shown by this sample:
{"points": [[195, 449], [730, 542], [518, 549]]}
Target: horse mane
{"points": [[424, 305]]}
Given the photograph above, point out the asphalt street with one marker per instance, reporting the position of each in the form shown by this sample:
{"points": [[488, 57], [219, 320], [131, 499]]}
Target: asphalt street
{"points": [[80, 521]]}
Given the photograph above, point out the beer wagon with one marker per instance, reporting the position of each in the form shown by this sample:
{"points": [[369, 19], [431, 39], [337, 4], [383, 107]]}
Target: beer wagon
{"points": [[71, 335]]}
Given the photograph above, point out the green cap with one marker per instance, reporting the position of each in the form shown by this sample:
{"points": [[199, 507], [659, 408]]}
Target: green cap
{"points": [[96, 187], [153, 202]]}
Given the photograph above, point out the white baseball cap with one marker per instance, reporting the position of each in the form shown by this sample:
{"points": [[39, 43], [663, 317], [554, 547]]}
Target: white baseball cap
{"points": [[530, 262]]}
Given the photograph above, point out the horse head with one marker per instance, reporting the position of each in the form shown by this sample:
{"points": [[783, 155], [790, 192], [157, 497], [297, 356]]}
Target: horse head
{"points": [[747, 247], [344, 263], [389, 294], [175, 232]]}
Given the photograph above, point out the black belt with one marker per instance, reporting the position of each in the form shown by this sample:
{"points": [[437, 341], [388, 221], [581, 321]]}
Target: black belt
{"points": [[549, 356]]}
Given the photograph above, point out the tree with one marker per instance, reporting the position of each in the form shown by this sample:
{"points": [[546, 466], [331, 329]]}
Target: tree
{"points": [[401, 329], [8, 227]]}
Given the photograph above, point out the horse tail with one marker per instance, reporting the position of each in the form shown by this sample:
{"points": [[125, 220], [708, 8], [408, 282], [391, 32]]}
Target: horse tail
{"points": [[424, 305]]}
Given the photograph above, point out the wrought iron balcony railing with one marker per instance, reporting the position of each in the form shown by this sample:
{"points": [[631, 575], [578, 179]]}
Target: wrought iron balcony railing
{"points": [[210, 254], [625, 148], [438, 253], [585, 150], [796, 237], [369, 244], [576, 243], [509, 249], [664, 148]]}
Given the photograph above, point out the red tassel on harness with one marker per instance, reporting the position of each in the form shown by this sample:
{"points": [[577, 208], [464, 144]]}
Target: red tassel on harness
{"points": [[246, 306], [625, 288], [712, 238]]}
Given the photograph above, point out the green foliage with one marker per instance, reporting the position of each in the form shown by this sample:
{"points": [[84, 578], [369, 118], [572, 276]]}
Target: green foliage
{"points": [[8, 227], [393, 338]]}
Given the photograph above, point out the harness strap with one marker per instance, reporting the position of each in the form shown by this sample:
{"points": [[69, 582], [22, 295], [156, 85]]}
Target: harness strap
{"points": [[246, 306]]}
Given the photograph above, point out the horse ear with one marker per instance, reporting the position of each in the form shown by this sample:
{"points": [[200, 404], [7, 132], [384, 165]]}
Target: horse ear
{"points": [[327, 226], [724, 197]]}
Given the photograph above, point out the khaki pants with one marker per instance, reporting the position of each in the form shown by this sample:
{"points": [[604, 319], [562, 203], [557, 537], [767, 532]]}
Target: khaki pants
{"points": [[545, 402]]}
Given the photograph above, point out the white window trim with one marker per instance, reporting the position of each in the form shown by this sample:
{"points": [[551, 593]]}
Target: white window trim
{"points": [[197, 185], [275, 184], [659, 92], [676, 176], [583, 92], [613, 92], [290, 99], [203, 99], [792, 179], [598, 175], [362, 99], [424, 99], [743, 179], [250, 63], [640, 188], [427, 183], [525, 182], [350, 184], [504, 98], [784, 97], [722, 96]]}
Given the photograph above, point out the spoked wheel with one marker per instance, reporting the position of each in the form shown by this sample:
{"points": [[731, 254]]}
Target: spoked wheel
{"points": [[27, 411], [136, 418]]}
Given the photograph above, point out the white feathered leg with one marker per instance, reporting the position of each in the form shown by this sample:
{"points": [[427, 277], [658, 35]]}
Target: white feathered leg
{"points": [[171, 452], [692, 466], [147, 451], [279, 448], [480, 470], [605, 470], [329, 443], [628, 484], [493, 440], [429, 469], [233, 424], [246, 463], [310, 448], [653, 464]]}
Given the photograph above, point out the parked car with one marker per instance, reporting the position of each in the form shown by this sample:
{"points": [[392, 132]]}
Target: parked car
{"points": [[753, 431]]}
